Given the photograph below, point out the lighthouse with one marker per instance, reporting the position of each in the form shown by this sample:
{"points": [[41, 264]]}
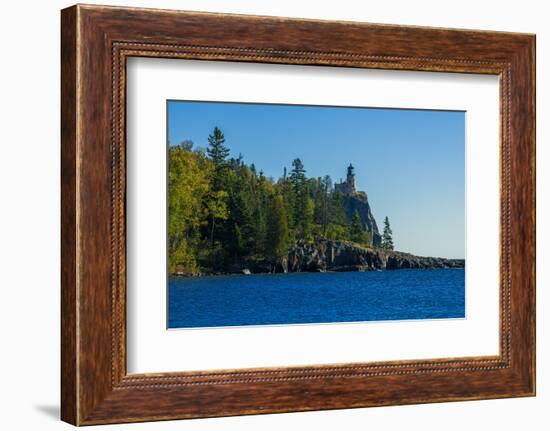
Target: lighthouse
{"points": [[347, 187]]}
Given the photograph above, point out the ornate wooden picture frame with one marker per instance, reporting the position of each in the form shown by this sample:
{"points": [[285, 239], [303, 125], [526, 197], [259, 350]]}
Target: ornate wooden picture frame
{"points": [[96, 41]]}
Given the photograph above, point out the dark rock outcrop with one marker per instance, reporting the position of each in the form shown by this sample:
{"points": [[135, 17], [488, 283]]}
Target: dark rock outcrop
{"points": [[346, 256], [358, 201], [338, 256], [399, 260]]}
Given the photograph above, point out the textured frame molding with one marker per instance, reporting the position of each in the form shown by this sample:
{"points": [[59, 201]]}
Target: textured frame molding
{"points": [[96, 41]]}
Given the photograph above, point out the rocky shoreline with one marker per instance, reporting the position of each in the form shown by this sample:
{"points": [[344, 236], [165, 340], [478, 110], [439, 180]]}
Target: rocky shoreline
{"points": [[341, 256]]}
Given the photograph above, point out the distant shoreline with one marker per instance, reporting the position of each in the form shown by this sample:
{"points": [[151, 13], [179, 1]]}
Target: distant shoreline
{"points": [[233, 274], [335, 256]]}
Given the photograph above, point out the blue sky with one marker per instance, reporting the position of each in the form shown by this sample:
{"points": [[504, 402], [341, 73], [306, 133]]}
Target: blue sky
{"points": [[410, 162]]}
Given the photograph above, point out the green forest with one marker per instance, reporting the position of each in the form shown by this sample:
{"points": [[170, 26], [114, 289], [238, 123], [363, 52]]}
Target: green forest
{"points": [[224, 212]]}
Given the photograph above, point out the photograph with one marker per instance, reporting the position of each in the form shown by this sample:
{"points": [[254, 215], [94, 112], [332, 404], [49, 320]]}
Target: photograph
{"points": [[282, 214]]}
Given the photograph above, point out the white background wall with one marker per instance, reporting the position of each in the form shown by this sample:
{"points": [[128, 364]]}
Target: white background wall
{"points": [[29, 215]]}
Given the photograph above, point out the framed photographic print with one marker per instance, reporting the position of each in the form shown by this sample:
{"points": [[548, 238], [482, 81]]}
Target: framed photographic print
{"points": [[283, 215]]}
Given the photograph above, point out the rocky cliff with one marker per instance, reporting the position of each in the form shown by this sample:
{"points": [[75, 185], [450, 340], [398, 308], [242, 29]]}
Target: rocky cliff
{"points": [[346, 256], [358, 201], [339, 256]]}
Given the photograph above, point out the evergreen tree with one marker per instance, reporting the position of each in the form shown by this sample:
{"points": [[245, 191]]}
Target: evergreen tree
{"points": [[303, 213], [216, 150], [387, 239], [218, 153], [298, 176]]}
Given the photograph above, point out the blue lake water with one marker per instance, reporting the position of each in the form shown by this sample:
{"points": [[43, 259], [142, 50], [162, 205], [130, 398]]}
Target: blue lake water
{"points": [[274, 299]]}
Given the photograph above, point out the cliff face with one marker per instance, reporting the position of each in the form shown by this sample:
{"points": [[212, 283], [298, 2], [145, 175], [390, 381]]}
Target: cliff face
{"points": [[358, 201], [345, 256], [341, 256]]}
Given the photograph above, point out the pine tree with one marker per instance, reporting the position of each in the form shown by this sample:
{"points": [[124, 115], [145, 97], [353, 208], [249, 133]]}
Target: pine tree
{"points": [[301, 217], [298, 176], [387, 239], [218, 153], [216, 150]]}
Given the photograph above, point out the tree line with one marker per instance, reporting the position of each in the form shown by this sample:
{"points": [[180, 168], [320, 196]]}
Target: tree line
{"points": [[223, 212]]}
